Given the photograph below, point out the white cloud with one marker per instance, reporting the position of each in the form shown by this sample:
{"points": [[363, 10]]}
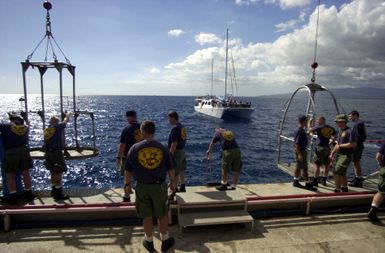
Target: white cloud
{"points": [[207, 38], [245, 2], [175, 33], [286, 4], [291, 24]]}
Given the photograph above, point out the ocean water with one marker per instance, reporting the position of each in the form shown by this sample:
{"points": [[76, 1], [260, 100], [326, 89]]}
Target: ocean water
{"points": [[257, 137]]}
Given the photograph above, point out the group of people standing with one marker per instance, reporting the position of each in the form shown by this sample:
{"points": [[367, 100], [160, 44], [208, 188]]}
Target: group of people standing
{"points": [[338, 149]]}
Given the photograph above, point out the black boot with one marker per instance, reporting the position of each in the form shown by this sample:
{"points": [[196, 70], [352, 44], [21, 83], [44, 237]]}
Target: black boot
{"points": [[344, 189], [58, 194], [222, 187], [296, 183], [372, 215], [167, 244], [148, 245], [10, 200], [182, 188], [29, 196], [309, 186], [357, 182], [315, 181], [323, 180]]}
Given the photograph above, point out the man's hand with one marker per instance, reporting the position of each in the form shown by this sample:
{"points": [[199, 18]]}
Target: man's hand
{"points": [[118, 161]]}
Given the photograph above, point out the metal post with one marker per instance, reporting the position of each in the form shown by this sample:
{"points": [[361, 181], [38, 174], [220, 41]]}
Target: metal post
{"points": [[74, 105], [227, 45], [61, 93], [42, 70], [25, 66]]}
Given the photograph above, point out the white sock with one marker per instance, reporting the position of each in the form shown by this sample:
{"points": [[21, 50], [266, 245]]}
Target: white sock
{"points": [[27, 189], [12, 192], [295, 178], [164, 237], [374, 205], [148, 238], [57, 186], [224, 182]]}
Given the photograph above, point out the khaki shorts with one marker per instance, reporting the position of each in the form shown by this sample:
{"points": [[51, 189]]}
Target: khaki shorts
{"points": [[357, 153], [381, 180], [180, 161], [342, 164], [17, 159], [231, 160], [151, 200], [321, 156], [301, 165], [55, 162]]}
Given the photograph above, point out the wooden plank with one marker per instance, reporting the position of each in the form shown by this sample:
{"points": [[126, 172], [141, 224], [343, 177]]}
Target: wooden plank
{"points": [[205, 197], [214, 218]]}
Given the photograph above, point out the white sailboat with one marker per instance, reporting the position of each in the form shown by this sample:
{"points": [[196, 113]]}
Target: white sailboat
{"points": [[223, 107]]}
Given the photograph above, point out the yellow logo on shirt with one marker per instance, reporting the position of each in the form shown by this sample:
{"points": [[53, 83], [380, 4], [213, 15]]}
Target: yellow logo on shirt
{"points": [[150, 158], [18, 130], [138, 135], [49, 133], [228, 135], [327, 132], [183, 134]]}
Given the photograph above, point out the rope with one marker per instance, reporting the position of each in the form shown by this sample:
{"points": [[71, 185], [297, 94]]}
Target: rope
{"points": [[314, 65]]}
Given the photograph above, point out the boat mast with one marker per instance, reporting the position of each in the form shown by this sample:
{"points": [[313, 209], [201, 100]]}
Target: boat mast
{"points": [[227, 47], [212, 77]]}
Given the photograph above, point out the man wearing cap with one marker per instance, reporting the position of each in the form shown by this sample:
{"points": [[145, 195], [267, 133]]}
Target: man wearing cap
{"points": [[17, 156], [176, 144], [129, 136], [322, 151], [380, 195], [54, 144], [149, 161], [301, 142], [231, 156], [346, 142], [359, 129]]}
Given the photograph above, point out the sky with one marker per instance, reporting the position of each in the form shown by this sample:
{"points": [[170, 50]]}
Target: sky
{"points": [[165, 47]]}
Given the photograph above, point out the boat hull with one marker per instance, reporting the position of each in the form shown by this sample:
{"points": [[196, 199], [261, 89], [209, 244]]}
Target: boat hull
{"points": [[225, 112], [212, 111]]}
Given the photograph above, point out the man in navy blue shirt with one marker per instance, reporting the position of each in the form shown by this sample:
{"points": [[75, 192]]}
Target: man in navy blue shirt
{"points": [[359, 129], [324, 133], [380, 195], [129, 136], [300, 144], [231, 156], [176, 143], [54, 144], [346, 142], [17, 157], [149, 162]]}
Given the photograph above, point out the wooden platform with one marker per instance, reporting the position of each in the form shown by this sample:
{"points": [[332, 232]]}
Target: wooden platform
{"points": [[69, 154], [203, 208]]}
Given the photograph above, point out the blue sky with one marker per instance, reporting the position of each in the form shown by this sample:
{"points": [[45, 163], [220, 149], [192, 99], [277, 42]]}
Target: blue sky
{"points": [[153, 47]]}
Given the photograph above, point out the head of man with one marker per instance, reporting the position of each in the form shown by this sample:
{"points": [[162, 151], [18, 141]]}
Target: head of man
{"points": [[341, 121], [147, 128], [321, 120], [354, 115], [54, 121], [16, 119], [131, 116], [173, 117], [302, 120]]}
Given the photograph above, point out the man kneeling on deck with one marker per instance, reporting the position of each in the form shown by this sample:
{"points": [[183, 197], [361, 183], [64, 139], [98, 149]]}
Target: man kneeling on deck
{"points": [[301, 142], [380, 195], [54, 145], [149, 161], [231, 156], [346, 142]]}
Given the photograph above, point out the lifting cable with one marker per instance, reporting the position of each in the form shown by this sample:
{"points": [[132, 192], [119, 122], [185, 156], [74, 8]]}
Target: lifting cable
{"points": [[49, 36], [314, 65]]}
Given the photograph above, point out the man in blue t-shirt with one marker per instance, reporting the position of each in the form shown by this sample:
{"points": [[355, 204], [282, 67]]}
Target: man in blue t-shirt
{"points": [[17, 157], [300, 148], [54, 145], [322, 150], [176, 143], [129, 136], [359, 129], [380, 195], [149, 162], [346, 142], [231, 156]]}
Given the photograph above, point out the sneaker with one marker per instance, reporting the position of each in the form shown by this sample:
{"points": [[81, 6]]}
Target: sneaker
{"points": [[182, 188], [344, 189], [126, 199], [58, 194], [310, 187], [297, 184], [357, 182], [221, 187], [323, 181], [10, 200], [372, 214], [171, 196], [337, 190], [167, 244], [315, 182], [29, 196], [148, 245]]}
